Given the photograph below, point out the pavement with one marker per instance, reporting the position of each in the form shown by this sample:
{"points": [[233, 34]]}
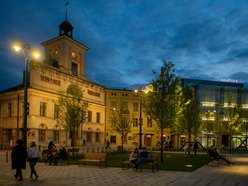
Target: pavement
{"points": [[209, 175]]}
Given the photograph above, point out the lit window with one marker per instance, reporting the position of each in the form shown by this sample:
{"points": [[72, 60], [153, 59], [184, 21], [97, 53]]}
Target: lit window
{"points": [[135, 122], [43, 107]]}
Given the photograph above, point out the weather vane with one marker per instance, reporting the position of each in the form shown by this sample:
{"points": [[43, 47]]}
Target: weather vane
{"points": [[66, 4]]}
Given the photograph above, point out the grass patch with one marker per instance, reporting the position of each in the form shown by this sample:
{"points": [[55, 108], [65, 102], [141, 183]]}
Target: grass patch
{"points": [[172, 161]]}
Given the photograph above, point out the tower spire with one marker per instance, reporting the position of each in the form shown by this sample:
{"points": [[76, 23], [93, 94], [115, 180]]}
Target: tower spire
{"points": [[66, 16], [65, 28]]}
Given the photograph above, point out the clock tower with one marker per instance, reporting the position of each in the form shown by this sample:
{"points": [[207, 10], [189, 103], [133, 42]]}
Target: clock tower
{"points": [[64, 53]]}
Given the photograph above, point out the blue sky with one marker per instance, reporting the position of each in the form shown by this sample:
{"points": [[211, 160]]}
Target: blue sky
{"points": [[127, 39]]}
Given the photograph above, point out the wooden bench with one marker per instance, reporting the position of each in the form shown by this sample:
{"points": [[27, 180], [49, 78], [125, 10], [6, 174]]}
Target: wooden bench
{"points": [[94, 157], [151, 164]]}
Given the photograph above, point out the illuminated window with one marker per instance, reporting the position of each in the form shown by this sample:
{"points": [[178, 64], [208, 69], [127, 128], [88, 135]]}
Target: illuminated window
{"points": [[149, 122], [74, 55], [135, 122], [43, 107], [113, 104], [55, 135]]}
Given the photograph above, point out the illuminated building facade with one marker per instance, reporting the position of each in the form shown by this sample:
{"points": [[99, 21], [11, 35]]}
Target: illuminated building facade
{"points": [[212, 97], [64, 65]]}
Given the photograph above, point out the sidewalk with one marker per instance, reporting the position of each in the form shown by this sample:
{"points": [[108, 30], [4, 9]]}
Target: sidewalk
{"points": [[211, 175]]}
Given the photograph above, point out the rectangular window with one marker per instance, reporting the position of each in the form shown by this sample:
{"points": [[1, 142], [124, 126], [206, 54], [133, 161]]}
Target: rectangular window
{"points": [[98, 117], [113, 104], [56, 111], [125, 139], [88, 136], [43, 107], [125, 105], [89, 116], [42, 135], [9, 109], [113, 139], [56, 135], [135, 122], [135, 106], [74, 69], [149, 122], [97, 137]]}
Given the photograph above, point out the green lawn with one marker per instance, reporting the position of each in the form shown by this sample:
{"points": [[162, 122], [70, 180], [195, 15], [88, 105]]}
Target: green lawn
{"points": [[172, 161]]}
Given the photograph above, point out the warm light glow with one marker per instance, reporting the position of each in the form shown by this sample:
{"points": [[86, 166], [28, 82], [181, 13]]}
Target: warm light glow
{"points": [[36, 54], [17, 48], [135, 91]]}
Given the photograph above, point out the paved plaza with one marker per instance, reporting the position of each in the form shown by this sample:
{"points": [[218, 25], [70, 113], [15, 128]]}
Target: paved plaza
{"points": [[212, 175]]}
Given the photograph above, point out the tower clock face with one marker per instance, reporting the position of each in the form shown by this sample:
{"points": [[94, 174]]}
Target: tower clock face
{"points": [[56, 53], [74, 55]]}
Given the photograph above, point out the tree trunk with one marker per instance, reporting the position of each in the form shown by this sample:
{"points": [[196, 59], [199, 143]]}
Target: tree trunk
{"points": [[161, 148], [189, 141]]}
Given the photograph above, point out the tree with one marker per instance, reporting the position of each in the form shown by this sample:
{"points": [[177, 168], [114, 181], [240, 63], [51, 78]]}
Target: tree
{"points": [[233, 118], [180, 106], [120, 121], [72, 110], [191, 115], [160, 102]]}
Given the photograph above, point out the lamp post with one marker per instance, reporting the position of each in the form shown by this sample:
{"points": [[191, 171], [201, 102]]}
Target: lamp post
{"points": [[23, 49], [140, 119]]}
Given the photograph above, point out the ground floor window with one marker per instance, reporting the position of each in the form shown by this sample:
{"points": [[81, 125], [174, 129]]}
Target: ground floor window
{"points": [[56, 135], [42, 135], [88, 136], [97, 137], [113, 139]]}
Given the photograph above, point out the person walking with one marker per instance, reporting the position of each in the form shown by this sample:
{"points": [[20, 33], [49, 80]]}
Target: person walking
{"points": [[195, 147], [33, 157], [18, 159]]}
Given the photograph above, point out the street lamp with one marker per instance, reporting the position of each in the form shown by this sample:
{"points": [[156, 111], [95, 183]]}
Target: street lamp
{"points": [[24, 48]]}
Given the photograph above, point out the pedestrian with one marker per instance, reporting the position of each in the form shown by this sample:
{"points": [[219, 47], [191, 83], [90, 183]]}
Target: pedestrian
{"points": [[18, 159], [195, 147], [33, 157]]}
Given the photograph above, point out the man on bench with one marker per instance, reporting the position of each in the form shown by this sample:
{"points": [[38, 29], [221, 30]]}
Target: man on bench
{"points": [[216, 156], [144, 157]]}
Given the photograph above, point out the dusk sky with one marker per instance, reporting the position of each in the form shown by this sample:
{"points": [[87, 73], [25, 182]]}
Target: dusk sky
{"points": [[128, 39]]}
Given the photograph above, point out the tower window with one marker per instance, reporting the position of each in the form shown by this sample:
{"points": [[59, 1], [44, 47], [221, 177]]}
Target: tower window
{"points": [[74, 69]]}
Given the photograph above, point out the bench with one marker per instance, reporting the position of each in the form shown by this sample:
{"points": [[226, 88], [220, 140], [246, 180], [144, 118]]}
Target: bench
{"points": [[151, 164], [95, 158], [215, 160]]}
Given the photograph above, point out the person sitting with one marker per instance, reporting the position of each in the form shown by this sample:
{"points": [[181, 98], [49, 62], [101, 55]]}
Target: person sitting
{"points": [[216, 156], [144, 157], [134, 156]]}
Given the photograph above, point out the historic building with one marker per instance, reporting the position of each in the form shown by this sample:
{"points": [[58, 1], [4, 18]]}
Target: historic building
{"points": [[64, 65]]}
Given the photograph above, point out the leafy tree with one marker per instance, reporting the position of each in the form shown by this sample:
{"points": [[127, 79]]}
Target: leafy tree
{"points": [[160, 103], [180, 106], [191, 115], [233, 119], [72, 110], [120, 121]]}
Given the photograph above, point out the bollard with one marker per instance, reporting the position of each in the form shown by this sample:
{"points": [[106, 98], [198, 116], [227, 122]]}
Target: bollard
{"points": [[7, 157]]}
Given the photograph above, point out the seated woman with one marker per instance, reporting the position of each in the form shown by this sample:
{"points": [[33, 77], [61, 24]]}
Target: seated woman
{"points": [[134, 156]]}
